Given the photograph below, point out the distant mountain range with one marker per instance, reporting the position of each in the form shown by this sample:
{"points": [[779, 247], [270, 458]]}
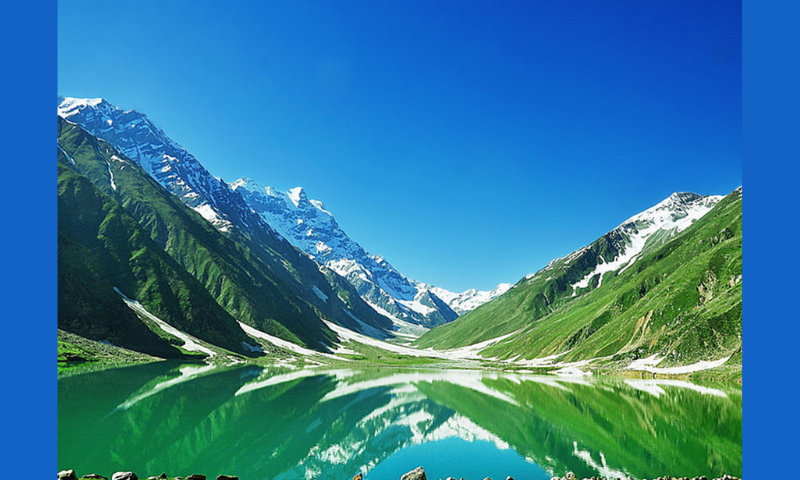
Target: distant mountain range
{"points": [[258, 211], [159, 256], [311, 228]]}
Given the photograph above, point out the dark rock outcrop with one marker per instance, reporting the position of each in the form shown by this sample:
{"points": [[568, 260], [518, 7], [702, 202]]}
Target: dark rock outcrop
{"points": [[67, 475], [416, 474]]}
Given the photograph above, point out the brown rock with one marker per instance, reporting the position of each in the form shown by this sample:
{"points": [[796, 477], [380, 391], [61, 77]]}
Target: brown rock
{"points": [[196, 476], [227, 477], [416, 474]]}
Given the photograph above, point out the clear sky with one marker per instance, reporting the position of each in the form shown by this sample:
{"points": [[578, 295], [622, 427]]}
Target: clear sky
{"points": [[467, 142]]}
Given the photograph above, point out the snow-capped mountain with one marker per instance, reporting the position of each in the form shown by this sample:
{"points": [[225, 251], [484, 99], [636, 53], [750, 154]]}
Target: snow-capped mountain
{"points": [[470, 299], [165, 160], [621, 247], [136, 137], [261, 212], [309, 226]]}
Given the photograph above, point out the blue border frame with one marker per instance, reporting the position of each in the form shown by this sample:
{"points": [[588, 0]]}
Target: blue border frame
{"points": [[771, 78], [28, 196], [770, 156]]}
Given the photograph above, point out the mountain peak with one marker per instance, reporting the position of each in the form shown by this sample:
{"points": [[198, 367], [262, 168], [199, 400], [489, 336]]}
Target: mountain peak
{"points": [[676, 200], [71, 105], [297, 195], [248, 184]]}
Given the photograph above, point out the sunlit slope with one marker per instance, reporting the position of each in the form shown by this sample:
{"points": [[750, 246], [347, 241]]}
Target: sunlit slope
{"points": [[101, 248], [682, 300], [246, 287], [259, 246]]}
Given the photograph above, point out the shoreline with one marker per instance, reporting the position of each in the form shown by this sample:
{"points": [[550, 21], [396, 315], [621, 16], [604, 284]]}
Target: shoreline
{"points": [[416, 474]]}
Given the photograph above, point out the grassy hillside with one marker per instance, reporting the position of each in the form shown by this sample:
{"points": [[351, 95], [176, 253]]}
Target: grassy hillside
{"points": [[101, 247], [682, 300], [226, 270], [257, 277]]}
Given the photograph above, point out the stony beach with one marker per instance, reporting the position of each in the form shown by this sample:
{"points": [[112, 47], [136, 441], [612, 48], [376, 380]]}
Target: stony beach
{"points": [[416, 474]]}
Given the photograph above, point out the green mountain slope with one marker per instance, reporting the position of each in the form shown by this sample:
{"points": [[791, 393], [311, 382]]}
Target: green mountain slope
{"points": [[681, 300], [272, 289], [101, 247]]}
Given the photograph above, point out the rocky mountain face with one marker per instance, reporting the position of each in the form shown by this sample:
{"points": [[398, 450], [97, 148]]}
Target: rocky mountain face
{"points": [[244, 207], [140, 245], [620, 248], [310, 227], [139, 139]]}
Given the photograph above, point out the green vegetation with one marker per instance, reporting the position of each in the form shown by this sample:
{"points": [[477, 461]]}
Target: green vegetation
{"points": [[119, 229], [100, 247], [255, 277], [77, 354], [682, 301]]}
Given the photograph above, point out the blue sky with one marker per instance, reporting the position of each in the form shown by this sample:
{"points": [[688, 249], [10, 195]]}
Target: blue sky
{"points": [[468, 143]]}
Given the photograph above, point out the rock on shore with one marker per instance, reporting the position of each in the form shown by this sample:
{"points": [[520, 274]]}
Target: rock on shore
{"points": [[416, 474], [70, 475]]}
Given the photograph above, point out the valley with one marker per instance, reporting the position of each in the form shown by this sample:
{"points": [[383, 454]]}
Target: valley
{"points": [[160, 258]]}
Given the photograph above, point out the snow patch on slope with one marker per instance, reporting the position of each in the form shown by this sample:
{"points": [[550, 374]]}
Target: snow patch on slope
{"points": [[285, 344], [190, 343], [672, 215]]}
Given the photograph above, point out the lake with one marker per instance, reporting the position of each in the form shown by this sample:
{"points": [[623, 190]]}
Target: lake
{"points": [[325, 424]]}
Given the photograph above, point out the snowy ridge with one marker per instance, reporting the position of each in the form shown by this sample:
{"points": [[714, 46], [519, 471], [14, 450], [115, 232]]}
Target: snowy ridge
{"points": [[470, 299], [670, 217], [165, 160], [306, 224], [133, 134], [631, 239], [290, 216]]}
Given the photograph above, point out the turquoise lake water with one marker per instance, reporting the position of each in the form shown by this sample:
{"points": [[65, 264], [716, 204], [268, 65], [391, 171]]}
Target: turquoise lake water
{"points": [[269, 423]]}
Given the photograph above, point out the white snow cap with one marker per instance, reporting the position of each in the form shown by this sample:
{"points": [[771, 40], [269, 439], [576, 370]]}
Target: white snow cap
{"points": [[70, 105], [249, 184], [297, 195]]}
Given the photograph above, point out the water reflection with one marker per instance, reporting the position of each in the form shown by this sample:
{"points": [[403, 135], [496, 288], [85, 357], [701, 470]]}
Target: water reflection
{"points": [[330, 424]]}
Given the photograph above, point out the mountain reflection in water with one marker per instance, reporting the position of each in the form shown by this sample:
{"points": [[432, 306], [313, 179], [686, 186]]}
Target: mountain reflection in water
{"points": [[265, 423]]}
